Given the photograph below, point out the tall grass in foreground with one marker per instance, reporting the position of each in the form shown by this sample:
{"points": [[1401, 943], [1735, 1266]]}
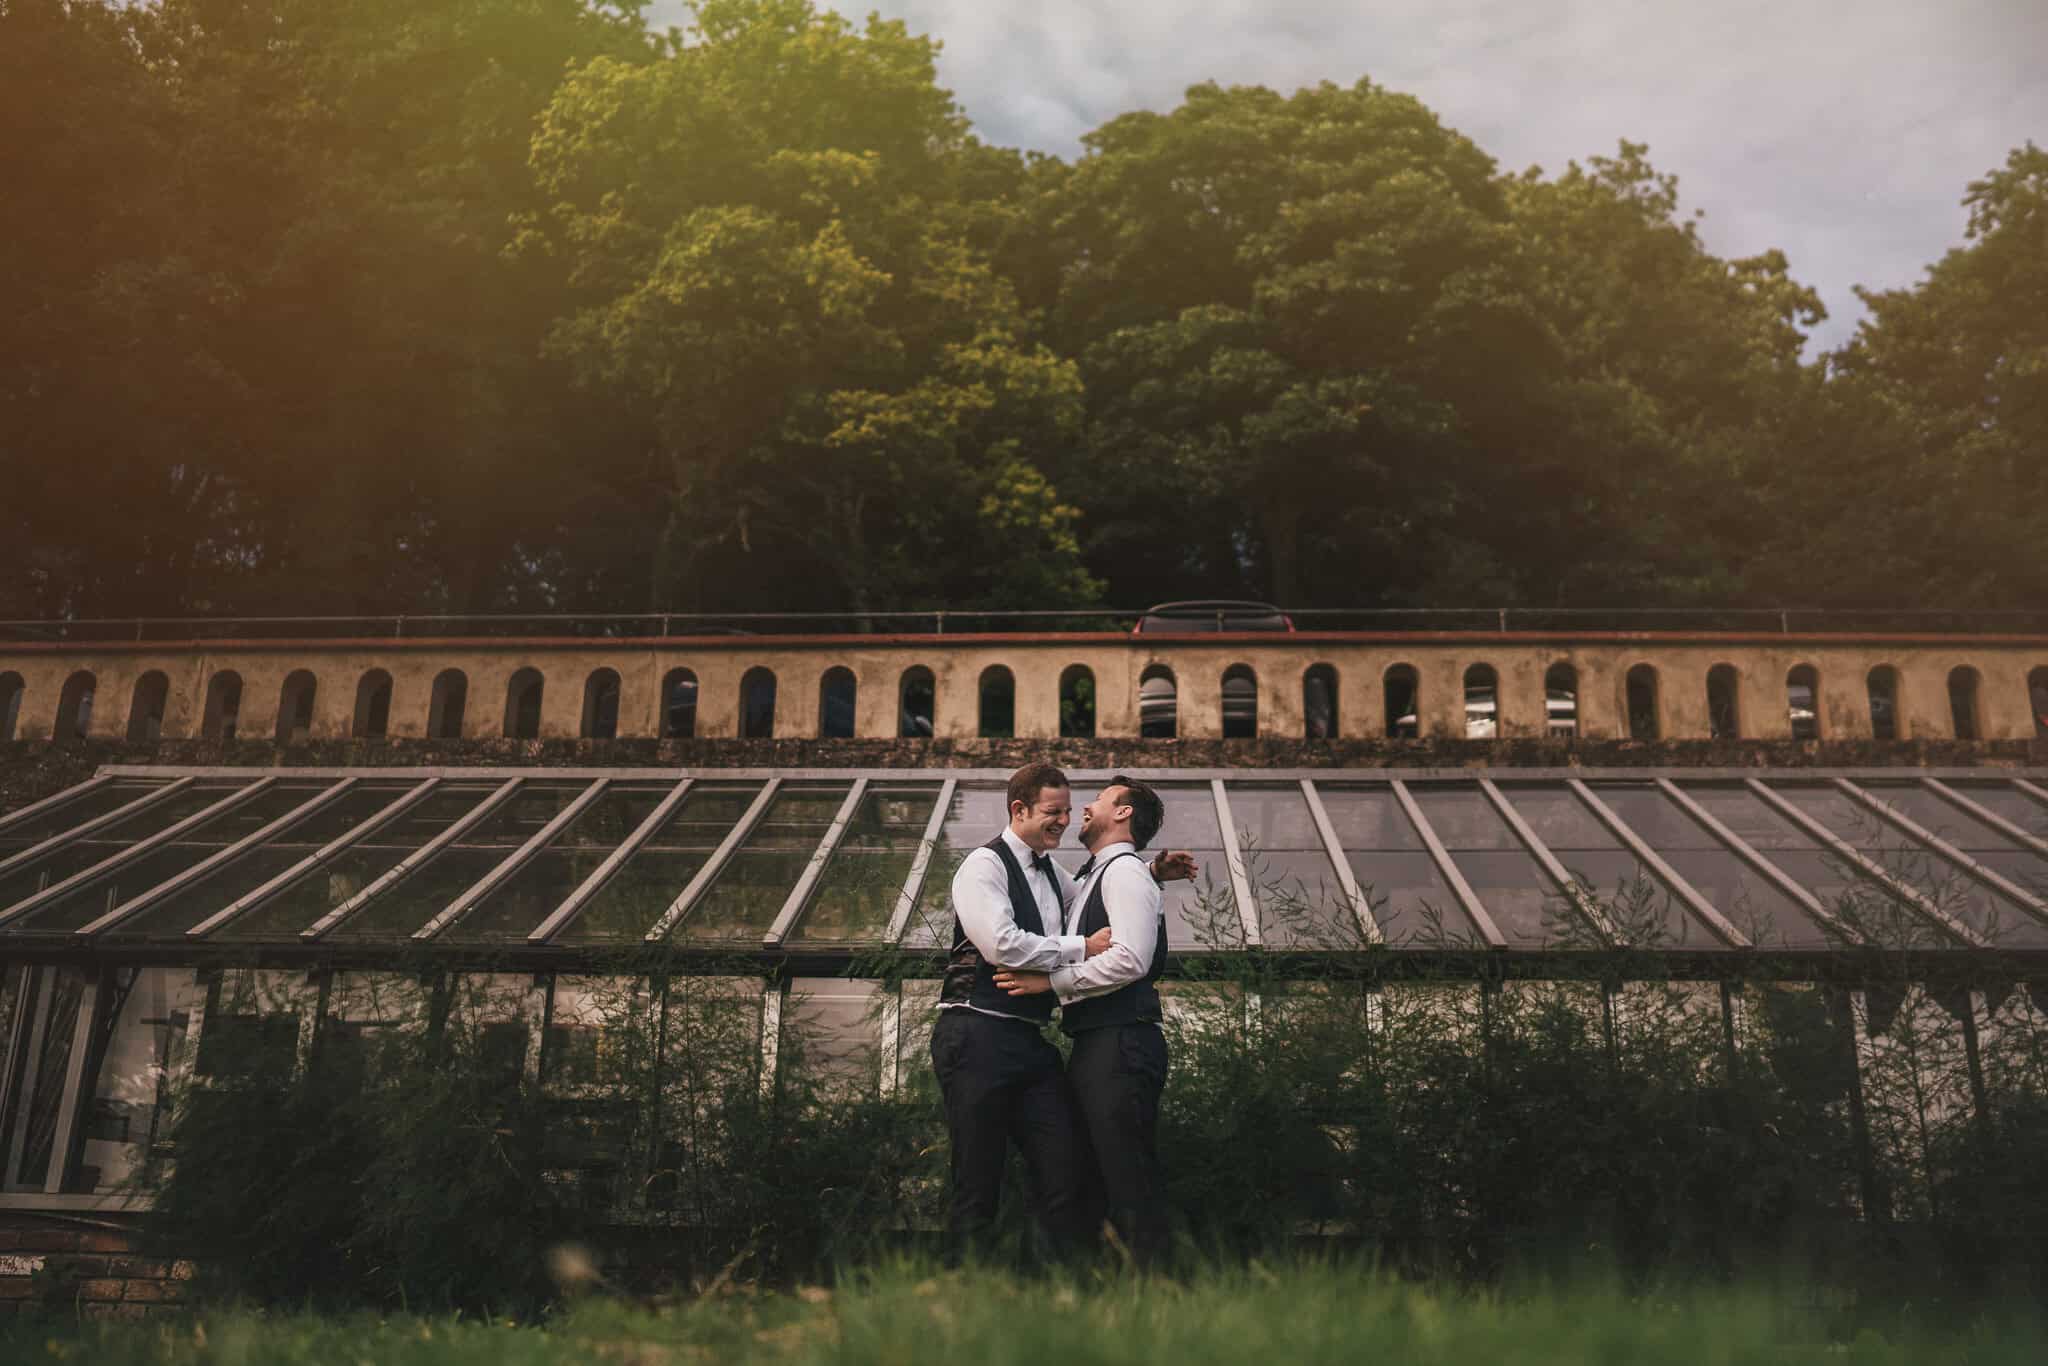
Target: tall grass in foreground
{"points": [[1306, 1314]]}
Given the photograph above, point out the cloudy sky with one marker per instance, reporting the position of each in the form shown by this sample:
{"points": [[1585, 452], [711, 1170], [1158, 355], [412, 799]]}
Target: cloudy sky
{"points": [[1842, 131]]}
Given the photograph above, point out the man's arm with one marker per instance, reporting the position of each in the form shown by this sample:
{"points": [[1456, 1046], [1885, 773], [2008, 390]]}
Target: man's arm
{"points": [[1133, 900], [981, 898]]}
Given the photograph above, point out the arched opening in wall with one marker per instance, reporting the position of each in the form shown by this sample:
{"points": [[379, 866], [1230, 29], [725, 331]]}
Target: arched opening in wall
{"points": [[1319, 702], [295, 706], [1158, 704], [757, 704], [1482, 703], [837, 692], [600, 705], [1240, 703], [1883, 689], [223, 706], [1962, 703], [1802, 701], [522, 705], [679, 705], [74, 706], [146, 708], [917, 696], [1561, 701], [11, 692], [998, 708], [2037, 702], [449, 701], [1724, 703], [1077, 702], [373, 706], [1402, 691], [1639, 703]]}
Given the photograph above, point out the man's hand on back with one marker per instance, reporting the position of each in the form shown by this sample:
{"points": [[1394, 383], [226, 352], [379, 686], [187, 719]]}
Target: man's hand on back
{"points": [[1098, 942], [1175, 865], [1020, 983]]}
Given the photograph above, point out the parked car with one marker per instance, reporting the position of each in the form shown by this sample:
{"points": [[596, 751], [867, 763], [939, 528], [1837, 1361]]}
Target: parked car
{"points": [[1177, 618]]}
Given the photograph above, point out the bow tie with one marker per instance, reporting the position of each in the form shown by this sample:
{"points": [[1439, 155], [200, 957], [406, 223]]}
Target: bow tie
{"points": [[1087, 867], [1043, 865]]}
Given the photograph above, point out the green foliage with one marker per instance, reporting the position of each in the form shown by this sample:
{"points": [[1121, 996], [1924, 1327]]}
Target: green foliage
{"points": [[469, 305]]}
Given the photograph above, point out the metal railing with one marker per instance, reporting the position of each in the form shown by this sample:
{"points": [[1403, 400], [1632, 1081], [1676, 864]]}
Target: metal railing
{"points": [[944, 621]]}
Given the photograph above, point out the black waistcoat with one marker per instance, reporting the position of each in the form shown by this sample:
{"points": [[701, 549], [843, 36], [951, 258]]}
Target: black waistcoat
{"points": [[1128, 1004], [970, 980]]}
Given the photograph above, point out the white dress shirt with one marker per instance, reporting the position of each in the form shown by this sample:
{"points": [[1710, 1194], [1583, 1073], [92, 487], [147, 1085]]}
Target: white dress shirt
{"points": [[1133, 901], [981, 899]]}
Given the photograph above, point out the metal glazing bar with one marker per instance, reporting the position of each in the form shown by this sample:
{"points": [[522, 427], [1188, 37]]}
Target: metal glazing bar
{"points": [[74, 1078], [413, 861], [122, 858], [1871, 869], [14, 1042], [1368, 928], [53, 801], [1989, 877], [2017, 833], [135, 905], [97, 823], [1704, 909], [2039, 794], [36, 1006], [1770, 871], [243, 905], [913, 884], [1467, 898], [1233, 858], [793, 904], [559, 918], [714, 865], [771, 1036], [513, 862], [1583, 903]]}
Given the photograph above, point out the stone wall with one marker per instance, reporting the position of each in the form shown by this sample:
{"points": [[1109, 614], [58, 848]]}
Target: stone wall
{"points": [[94, 1267]]}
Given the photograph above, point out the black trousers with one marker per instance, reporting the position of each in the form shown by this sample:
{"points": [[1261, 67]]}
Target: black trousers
{"points": [[1118, 1073], [1003, 1083]]}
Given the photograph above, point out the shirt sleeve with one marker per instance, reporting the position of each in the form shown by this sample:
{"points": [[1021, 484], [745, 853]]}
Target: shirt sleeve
{"points": [[1133, 901], [981, 898]]}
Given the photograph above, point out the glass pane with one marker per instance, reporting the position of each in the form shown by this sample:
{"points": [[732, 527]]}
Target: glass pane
{"points": [[1642, 907], [1943, 882], [1745, 814], [1301, 903], [629, 904], [89, 902], [1558, 818], [52, 868], [1413, 904], [454, 870], [1462, 817], [857, 893], [235, 880], [2003, 799], [1202, 912], [1657, 820], [1938, 816], [1521, 898], [530, 895], [49, 1059], [126, 1125], [1368, 818], [72, 814], [831, 1035], [323, 888], [749, 892]]}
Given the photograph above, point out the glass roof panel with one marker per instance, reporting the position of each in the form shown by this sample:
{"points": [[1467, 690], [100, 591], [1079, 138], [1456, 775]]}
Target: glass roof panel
{"points": [[748, 893], [1746, 814], [1943, 882], [530, 895], [633, 899], [235, 880], [1751, 902], [857, 893], [76, 812], [1641, 905], [328, 885], [89, 902], [405, 908], [1301, 903], [1527, 906], [1394, 872], [47, 870], [1941, 818], [2003, 799]]}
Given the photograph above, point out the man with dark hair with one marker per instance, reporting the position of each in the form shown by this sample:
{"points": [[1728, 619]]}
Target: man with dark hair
{"points": [[1109, 1005], [1000, 1076]]}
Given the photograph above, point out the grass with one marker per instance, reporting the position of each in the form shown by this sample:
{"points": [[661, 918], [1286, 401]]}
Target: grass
{"points": [[1255, 1316]]}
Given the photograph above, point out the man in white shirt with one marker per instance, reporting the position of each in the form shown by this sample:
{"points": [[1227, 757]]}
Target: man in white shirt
{"points": [[1001, 1078], [1109, 1005]]}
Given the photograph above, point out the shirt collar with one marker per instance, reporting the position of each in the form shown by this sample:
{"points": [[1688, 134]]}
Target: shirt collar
{"points": [[1109, 851], [1024, 852]]}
